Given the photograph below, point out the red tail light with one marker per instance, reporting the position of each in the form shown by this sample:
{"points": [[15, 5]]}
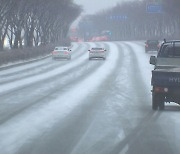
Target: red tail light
{"points": [[66, 52], [160, 90], [146, 45], [54, 52], [158, 46]]}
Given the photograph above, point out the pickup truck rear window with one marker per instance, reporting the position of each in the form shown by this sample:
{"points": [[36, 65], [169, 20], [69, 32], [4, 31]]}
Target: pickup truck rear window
{"points": [[169, 51]]}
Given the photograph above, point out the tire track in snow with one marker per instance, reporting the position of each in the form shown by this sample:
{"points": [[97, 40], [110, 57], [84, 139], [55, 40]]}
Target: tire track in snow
{"points": [[41, 92]]}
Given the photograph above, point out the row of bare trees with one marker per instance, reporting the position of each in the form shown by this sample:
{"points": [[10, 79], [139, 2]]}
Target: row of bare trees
{"points": [[132, 21], [31, 22]]}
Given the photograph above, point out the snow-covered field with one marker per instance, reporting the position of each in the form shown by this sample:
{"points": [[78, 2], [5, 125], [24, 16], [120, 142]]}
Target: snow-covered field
{"points": [[85, 107]]}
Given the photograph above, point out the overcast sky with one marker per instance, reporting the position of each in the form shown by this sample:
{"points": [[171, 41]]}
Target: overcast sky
{"points": [[93, 6]]}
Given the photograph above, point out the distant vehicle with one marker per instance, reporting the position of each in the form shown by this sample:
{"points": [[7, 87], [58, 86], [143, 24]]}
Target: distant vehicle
{"points": [[152, 45], [61, 52], [166, 75], [104, 38], [97, 53], [74, 39], [99, 38]]}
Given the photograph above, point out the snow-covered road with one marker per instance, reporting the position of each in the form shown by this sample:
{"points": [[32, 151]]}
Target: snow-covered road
{"points": [[85, 107]]}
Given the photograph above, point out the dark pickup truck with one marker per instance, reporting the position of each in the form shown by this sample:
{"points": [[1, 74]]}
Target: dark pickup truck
{"points": [[166, 75]]}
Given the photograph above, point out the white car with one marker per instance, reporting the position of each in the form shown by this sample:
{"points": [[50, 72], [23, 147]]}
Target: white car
{"points": [[61, 52], [97, 53]]}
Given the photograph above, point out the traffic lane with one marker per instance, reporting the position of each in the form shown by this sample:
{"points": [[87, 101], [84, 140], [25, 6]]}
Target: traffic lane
{"points": [[40, 77], [156, 131], [66, 134], [105, 125], [34, 121], [14, 102]]}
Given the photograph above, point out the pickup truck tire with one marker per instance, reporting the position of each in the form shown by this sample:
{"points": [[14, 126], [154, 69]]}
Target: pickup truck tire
{"points": [[157, 101], [154, 102], [161, 106]]}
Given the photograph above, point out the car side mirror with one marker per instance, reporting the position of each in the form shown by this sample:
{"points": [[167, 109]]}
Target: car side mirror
{"points": [[153, 60]]}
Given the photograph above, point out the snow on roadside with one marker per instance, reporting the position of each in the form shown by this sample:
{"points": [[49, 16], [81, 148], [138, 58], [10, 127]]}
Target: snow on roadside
{"points": [[33, 69], [22, 128], [23, 67]]}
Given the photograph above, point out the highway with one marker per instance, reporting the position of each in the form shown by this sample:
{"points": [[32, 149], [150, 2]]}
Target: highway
{"points": [[86, 106]]}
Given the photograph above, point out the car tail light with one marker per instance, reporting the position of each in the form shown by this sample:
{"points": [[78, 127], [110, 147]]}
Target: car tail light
{"points": [[66, 52], [160, 90], [54, 52], [146, 45], [158, 46]]}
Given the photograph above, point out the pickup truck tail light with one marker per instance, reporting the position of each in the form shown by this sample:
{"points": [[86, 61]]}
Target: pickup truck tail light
{"points": [[160, 90]]}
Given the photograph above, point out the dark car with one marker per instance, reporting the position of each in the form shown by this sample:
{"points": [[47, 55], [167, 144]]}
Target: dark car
{"points": [[152, 45]]}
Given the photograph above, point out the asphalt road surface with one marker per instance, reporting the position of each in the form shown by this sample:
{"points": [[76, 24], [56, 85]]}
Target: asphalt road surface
{"points": [[86, 107]]}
